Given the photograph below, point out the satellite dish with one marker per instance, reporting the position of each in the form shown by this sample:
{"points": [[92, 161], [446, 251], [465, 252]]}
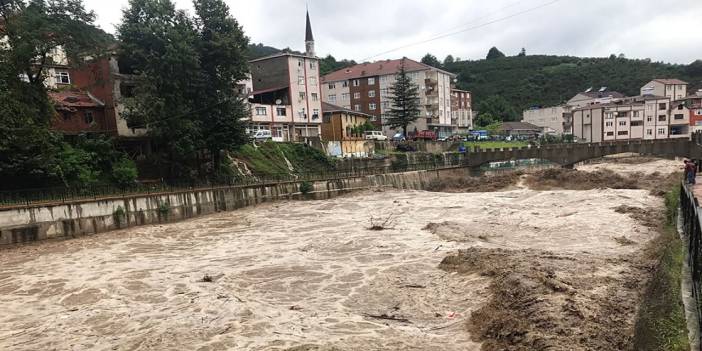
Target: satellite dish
{"points": [[279, 102]]}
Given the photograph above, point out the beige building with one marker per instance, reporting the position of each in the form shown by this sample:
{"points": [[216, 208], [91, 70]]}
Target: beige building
{"points": [[286, 97], [366, 88], [645, 117], [675, 89], [552, 120], [590, 97]]}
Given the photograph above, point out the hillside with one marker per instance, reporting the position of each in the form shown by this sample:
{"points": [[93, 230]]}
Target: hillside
{"points": [[526, 81]]}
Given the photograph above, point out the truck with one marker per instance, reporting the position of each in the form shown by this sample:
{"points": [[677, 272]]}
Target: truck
{"points": [[425, 135]]}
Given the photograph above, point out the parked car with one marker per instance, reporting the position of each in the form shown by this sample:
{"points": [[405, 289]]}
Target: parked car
{"points": [[262, 135], [425, 135], [398, 137], [374, 135]]}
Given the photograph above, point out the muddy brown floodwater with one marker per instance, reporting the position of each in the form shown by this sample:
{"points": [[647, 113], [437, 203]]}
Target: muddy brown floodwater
{"points": [[309, 275]]}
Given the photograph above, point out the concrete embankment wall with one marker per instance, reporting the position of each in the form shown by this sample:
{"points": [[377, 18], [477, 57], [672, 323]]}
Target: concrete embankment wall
{"points": [[66, 220]]}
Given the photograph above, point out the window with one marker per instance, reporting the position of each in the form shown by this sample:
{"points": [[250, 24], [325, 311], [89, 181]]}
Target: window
{"points": [[260, 111], [345, 84], [636, 114], [302, 95], [622, 132], [609, 124], [357, 107], [313, 81], [302, 113], [609, 115], [88, 117], [662, 118], [332, 86], [679, 116], [315, 114], [662, 106], [649, 131], [356, 82], [371, 81], [371, 93], [357, 95], [313, 65], [300, 80], [661, 131], [622, 123], [698, 112], [332, 98], [610, 133], [315, 97], [280, 111], [66, 115], [300, 62], [649, 118], [636, 123], [345, 97], [681, 106], [372, 106], [62, 77], [669, 87]]}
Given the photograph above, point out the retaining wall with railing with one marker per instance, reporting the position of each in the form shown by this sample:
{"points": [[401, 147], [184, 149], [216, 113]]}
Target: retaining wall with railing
{"points": [[35, 222]]}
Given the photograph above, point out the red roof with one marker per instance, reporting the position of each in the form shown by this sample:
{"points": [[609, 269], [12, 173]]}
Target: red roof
{"points": [[74, 99], [378, 68]]}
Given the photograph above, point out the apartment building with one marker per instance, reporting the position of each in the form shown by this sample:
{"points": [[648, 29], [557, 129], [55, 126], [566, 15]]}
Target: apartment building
{"points": [[366, 88], [558, 120], [77, 112], [692, 104], [675, 89], [645, 117], [286, 97], [461, 110], [552, 120]]}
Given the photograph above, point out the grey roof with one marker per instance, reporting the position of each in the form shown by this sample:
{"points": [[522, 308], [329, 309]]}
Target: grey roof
{"points": [[669, 81], [329, 108], [308, 29], [597, 94]]}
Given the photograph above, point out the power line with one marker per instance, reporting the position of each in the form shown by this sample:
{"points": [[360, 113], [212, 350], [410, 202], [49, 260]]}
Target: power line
{"points": [[441, 36]]}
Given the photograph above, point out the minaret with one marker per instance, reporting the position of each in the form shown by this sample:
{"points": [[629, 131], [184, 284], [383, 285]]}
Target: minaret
{"points": [[309, 38]]}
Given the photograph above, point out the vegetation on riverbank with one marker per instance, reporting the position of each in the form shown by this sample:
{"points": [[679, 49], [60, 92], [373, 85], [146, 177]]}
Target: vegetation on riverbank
{"points": [[661, 321], [272, 159]]}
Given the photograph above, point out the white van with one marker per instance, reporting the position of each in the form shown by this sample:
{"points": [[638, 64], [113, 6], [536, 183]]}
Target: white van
{"points": [[262, 134], [374, 135]]}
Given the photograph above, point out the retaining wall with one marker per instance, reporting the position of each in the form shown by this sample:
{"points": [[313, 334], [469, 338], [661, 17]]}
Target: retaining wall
{"points": [[56, 221]]}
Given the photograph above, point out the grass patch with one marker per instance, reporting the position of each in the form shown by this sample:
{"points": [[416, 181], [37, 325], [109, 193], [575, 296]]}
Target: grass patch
{"points": [[269, 159], [661, 321]]}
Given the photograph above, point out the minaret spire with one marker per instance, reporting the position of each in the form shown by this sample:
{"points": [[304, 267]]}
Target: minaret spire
{"points": [[309, 38]]}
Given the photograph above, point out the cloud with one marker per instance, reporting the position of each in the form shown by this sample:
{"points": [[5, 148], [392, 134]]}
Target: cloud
{"points": [[663, 30]]}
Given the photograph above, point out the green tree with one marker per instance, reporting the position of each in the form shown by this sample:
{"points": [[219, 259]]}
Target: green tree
{"points": [[405, 101], [222, 53], [449, 60], [33, 30], [484, 119], [431, 60], [494, 53], [330, 64], [498, 107], [162, 46]]}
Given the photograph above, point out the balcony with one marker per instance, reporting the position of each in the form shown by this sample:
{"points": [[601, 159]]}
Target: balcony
{"points": [[431, 82]]}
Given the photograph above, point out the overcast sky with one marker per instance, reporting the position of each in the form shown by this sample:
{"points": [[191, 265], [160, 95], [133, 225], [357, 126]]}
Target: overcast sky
{"points": [[662, 30]]}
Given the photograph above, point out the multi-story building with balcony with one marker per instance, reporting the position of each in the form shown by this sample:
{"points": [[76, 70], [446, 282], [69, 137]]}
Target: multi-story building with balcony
{"points": [[366, 88], [647, 117], [461, 110], [675, 89], [286, 97], [692, 104]]}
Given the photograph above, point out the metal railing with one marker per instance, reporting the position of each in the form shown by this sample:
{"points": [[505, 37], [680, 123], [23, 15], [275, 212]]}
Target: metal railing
{"points": [[27, 197], [692, 227]]}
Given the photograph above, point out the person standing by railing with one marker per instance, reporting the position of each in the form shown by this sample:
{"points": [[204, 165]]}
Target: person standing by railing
{"points": [[690, 172]]}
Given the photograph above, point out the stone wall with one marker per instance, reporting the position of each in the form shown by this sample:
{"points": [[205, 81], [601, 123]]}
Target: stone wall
{"points": [[24, 224]]}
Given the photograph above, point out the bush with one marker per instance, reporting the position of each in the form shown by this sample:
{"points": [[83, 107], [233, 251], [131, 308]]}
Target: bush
{"points": [[405, 147], [306, 187], [124, 172]]}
